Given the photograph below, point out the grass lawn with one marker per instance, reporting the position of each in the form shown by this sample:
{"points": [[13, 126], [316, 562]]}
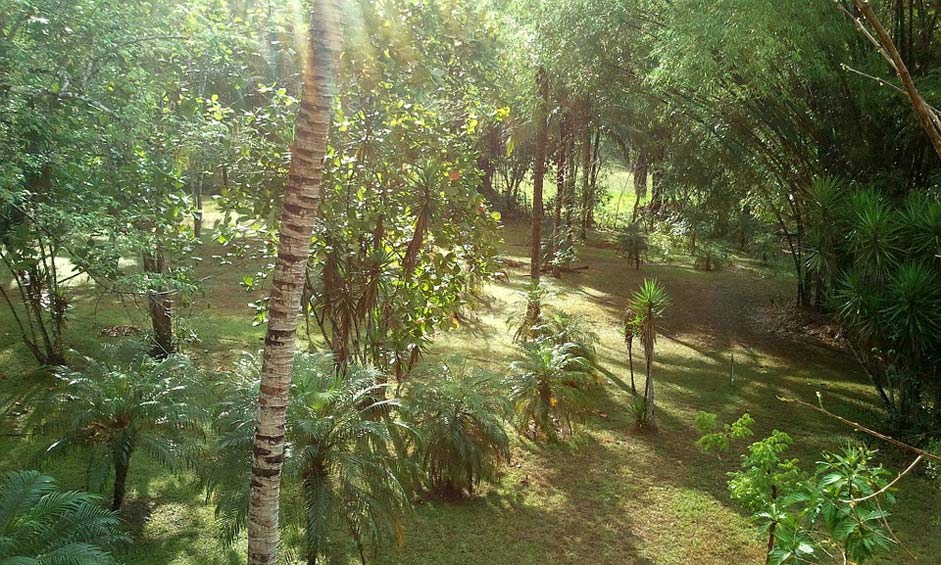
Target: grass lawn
{"points": [[612, 494]]}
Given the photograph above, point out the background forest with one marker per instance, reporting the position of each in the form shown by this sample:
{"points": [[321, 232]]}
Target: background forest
{"points": [[457, 281]]}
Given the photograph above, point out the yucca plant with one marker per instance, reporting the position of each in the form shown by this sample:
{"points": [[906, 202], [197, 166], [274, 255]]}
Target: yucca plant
{"points": [[648, 305], [922, 226], [40, 524], [825, 203], [112, 411], [460, 423], [339, 457], [874, 235], [544, 387]]}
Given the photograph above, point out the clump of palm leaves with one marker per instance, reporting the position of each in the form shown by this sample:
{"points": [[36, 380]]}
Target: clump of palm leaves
{"points": [[461, 437], [340, 458], [710, 257], [647, 306], [631, 242], [544, 323], [547, 388], [113, 409], [41, 524]]}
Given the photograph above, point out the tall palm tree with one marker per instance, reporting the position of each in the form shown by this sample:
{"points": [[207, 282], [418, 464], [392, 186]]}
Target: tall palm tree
{"points": [[340, 456], [648, 305], [41, 524], [301, 202], [112, 411]]}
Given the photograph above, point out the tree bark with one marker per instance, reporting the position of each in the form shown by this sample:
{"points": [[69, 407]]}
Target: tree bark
{"points": [[640, 182], [120, 483], [539, 172], [160, 306], [301, 204], [586, 179], [559, 193]]}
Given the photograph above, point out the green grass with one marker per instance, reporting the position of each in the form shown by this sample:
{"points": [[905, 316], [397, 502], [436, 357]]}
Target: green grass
{"points": [[613, 494]]}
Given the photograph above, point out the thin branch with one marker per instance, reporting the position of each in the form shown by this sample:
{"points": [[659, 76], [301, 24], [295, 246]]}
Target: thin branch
{"points": [[884, 489], [860, 428]]}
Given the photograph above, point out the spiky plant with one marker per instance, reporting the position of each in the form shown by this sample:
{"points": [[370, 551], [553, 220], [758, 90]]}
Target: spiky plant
{"points": [[339, 456], [648, 305], [113, 410], [460, 423], [825, 203], [544, 387], [874, 235], [558, 328], [912, 312], [40, 524], [922, 226]]}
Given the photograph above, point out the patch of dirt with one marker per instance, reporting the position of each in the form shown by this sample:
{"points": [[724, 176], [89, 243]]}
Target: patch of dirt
{"points": [[120, 331], [784, 319]]}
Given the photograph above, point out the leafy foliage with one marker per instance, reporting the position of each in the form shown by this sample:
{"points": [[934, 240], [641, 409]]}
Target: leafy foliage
{"points": [[546, 387], [41, 524], [111, 409], [340, 460], [461, 436]]}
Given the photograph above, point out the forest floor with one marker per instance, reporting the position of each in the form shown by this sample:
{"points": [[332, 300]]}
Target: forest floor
{"points": [[612, 494]]}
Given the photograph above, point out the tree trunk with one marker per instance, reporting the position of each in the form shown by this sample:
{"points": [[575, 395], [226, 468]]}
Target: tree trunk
{"points": [[539, 172], [640, 182], [198, 212], [160, 306], [301, 203], [649, 393], [559, 193], [586, 179], [120, 483], [630, 359]]}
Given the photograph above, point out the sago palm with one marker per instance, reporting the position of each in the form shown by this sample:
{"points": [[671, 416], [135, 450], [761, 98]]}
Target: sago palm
{"points": [[648, 305], [113, 411], [339, 457], [544, 387], [40, 524], [459, 420]]}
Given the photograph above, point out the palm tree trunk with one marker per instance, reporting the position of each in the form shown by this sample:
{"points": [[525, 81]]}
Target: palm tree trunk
{"points": [[539, 172], [648, 390], [121, 467], [301, 203]]}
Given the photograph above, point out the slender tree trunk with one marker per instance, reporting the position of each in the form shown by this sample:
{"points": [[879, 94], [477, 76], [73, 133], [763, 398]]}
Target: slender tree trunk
{"points": [[649, 391], [772, 528], [539, 172], [160, 306], [640, 181], [630, 359], [120, 483], [198, 213], [586, 179], [559, 194], [301, 203]]}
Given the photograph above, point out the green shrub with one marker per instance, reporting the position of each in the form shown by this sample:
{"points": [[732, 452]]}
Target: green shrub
{"points": [[459, 420]]}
